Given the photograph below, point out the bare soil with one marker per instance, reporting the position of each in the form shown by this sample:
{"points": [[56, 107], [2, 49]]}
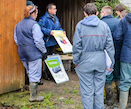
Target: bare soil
{"points": [[57, 96]]}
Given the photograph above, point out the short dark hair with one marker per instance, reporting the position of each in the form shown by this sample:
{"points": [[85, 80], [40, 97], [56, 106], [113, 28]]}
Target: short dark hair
{"points": [[49, 6], [119, 7], [90, 8]]}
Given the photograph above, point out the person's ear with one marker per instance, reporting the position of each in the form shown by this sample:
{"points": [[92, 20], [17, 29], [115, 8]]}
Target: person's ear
{"points": [[85, 14], [49, 10], [97, 13]]}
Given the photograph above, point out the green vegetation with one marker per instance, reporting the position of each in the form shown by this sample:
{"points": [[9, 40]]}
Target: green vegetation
{"points": [[20, 100], [102, 3]]}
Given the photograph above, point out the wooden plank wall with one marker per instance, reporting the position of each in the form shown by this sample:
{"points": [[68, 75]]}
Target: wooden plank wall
{"points": [[70, 12], [11, 68]]}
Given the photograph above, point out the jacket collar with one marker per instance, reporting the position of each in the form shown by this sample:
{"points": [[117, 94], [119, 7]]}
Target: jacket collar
{"points": [[47, 15], [30, 18], [108, 16]]}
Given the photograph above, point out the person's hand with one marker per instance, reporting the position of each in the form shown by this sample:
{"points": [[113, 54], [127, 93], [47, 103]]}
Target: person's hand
{"points": [[52, 33], [44, 56], [109, 69], [64, 32]]}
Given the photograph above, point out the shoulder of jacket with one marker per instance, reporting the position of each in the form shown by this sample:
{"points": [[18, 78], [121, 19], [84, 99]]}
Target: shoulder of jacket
{"points": [[102, 22], [79, 23], [33, 21], [43, 17]]}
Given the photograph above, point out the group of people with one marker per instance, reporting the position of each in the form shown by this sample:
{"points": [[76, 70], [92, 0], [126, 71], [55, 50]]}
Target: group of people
{"points": [[92, 36]]}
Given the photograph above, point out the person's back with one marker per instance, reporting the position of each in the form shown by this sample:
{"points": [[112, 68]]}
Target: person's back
{"points": [[26, 41], [111, 22], [107, 17], [93, 42], [92, 36], [123, 33]]}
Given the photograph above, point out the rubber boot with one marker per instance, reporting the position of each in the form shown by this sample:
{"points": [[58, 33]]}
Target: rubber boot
{"points": [[118, 90], [33, 93], [123, 100], [108, 91]]}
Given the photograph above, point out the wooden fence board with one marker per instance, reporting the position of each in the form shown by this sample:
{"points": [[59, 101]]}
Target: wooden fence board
{"points": [[11, 69]]}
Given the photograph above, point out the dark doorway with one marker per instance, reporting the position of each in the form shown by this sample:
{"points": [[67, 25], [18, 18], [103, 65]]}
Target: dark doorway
{"points": [[42, 5], [69, 13]]}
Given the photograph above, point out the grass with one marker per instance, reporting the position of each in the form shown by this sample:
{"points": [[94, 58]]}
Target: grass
{"points": [[62, 96], [20, 100]]}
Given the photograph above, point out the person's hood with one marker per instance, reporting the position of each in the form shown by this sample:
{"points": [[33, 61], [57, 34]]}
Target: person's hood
{"points": [[91, 21], [128, 17]]}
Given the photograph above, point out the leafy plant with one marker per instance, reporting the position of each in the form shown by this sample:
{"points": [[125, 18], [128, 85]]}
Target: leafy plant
{"points": [[67, 90], [67, 101], [72, 102], [75, 91], [102, 3], [25, 107]]}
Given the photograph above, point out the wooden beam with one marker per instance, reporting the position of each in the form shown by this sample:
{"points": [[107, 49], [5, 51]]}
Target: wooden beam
{"points": [[82, 3]]}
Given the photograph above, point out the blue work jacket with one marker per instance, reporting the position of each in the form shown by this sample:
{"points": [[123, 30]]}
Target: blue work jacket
{"points": [[123, 33], [113, 23], [47, 25]]}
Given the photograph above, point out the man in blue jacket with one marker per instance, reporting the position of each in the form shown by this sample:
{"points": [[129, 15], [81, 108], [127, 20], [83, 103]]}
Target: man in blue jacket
{"points": [[123, 33], [107, 17], [92, 36], [49, 22]]}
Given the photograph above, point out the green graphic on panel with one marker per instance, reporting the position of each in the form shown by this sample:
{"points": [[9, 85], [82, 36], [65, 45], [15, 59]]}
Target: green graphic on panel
{"points": [[53, 63]]}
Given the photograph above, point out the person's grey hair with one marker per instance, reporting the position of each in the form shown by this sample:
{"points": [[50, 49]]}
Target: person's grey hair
{"points": [[124, 13], [108, 10], [90, 8], [49, 6]]}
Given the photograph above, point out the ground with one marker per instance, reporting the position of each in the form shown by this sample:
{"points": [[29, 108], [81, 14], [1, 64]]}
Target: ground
{"points": [[57, 96]]}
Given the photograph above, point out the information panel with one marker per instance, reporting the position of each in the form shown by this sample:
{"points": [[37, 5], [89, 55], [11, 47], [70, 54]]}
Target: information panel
{"points": [[63, 41], [56, 68]]}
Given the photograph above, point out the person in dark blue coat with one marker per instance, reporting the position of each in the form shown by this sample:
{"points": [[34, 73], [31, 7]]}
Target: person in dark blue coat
{"points": [[107, 17], [49, 22], [123, 33]]}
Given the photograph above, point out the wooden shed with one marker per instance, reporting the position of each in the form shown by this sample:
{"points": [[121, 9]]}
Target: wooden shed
{"points": [[11, 69], [12, 72], [69, 12]]}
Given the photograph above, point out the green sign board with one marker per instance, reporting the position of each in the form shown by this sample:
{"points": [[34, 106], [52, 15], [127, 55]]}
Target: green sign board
{"points": [[53, 63]]}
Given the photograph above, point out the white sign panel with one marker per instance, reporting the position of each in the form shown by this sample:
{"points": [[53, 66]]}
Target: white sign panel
{"points": [[63, 41], [56, 68]]}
